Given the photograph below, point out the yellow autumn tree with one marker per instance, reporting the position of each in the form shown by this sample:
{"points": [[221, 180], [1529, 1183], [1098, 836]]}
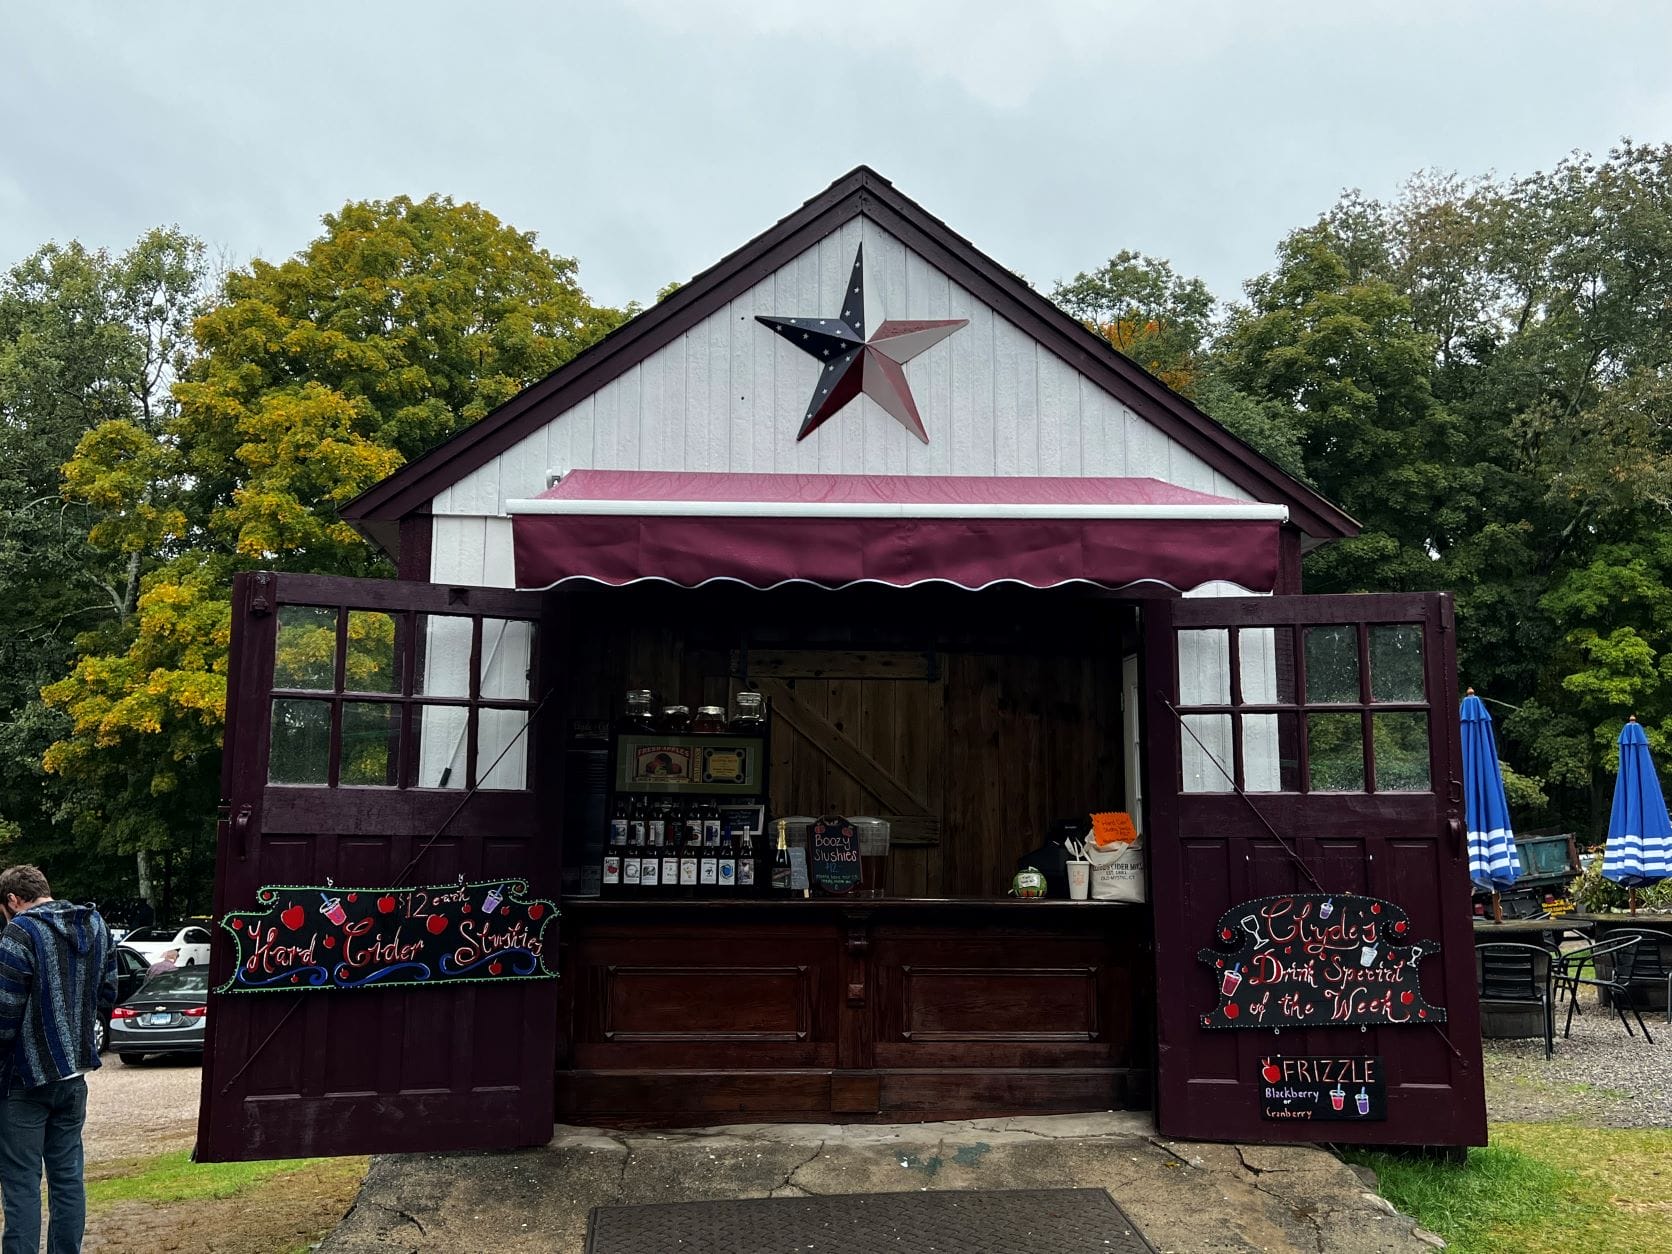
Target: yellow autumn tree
{"points": [[311, 380]]}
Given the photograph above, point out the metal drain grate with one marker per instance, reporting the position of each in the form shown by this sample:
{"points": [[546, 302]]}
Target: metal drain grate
{"points": [[1020, 1221]]}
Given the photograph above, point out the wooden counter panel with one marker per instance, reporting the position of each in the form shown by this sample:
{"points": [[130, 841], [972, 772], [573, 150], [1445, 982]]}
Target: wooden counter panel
{"points": [[696, 1013]]}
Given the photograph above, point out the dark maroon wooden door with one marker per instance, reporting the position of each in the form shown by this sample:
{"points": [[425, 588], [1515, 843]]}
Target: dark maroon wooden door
{"points": [[1301, 744], [380, 734]]}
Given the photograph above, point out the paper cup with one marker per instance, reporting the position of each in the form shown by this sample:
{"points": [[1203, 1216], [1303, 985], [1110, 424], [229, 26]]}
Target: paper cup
{"points": [[1079, 880]]}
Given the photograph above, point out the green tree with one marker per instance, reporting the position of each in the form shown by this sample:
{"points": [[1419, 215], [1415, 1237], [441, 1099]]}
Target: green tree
{"points": [[404, 322], [88, 341]]}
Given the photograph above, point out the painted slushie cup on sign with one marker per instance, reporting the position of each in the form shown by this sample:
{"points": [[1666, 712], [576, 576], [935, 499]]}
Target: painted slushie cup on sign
{"points": [[1338, 1097], [332, 908], [1231, 979], [1327, 909], [1363, 1100], [490, 903]]}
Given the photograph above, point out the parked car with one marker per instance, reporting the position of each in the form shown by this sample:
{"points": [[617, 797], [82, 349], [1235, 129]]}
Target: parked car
{"points": [[131, 967], [190, 938], [166, 1016]]}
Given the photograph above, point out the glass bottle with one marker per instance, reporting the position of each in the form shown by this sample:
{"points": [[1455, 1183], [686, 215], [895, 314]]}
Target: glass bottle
{"points": [[748, 713], [669, 879], [656, 825], [726, 871], [708, 868], [689, 855], [640, 711], [676, 719], [746, 862], [781, 862], [636, 821]]}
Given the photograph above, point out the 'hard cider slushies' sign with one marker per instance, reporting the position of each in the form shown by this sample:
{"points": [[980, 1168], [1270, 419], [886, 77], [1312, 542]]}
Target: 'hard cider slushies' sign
{"points": [[1317, 959], [333, 937], [1337, 1089]]}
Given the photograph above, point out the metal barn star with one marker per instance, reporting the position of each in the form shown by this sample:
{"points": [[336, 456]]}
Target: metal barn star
{"points": [[854, 364]]}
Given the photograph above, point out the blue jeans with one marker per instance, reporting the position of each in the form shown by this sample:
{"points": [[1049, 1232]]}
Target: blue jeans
{"points": [[42, 1128]]}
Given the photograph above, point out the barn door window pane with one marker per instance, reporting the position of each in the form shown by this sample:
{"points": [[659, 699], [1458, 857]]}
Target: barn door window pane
{"points": [[1332, 665], [1266, 665], [371, 744], [443, 662], [1396, 663], [1205, 667], [371, 664], [441, 735], [502, 749], [507, 659], [1334, 751], [1401, 742], [1204, 741], [305, 652], [1270, 753], [300, 748]]}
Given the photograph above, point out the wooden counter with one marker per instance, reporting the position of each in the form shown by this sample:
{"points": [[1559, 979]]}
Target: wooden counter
{"points": [[851, 1009]]}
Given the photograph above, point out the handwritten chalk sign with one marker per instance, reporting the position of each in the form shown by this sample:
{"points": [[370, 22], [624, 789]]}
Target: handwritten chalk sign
{"points": [[1334, 1089], [1317, 959], [834, 847], [308, 937]]}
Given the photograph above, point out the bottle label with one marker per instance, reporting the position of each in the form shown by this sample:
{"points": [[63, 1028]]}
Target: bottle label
{"points": [[727, 873], [630, 871], [635, 832], [657, 834], [670, 872], [612, 869], [687, 870], [780, 879], [650, 872], [711, 832], [618, 831], [693, 832], [710, 872], [746, 873]]}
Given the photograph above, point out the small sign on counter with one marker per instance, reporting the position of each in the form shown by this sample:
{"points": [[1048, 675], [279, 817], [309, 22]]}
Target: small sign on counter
{"points": [[1323, 1089]]}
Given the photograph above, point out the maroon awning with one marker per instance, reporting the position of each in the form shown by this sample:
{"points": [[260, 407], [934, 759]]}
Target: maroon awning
{"points": [[622, 526]]}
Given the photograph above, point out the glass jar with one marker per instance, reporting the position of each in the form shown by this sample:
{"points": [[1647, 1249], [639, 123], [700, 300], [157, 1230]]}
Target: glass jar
{"points": [[676, 719], [641, 710], [711, 721], [748, 713]]}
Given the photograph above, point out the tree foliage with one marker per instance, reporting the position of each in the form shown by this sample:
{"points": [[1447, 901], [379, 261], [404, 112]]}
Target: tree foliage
{"points": [[308, 382]]}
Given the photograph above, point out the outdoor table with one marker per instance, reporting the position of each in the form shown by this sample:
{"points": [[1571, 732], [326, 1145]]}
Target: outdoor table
{"points": [[1524, 930]]}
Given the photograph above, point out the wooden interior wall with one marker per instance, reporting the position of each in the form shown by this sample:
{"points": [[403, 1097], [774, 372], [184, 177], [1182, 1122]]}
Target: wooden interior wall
{"points": [[971, 720]]}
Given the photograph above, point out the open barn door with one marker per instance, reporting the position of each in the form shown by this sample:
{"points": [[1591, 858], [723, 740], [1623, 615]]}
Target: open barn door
{"points": [[1309, 874], [383, 736]]}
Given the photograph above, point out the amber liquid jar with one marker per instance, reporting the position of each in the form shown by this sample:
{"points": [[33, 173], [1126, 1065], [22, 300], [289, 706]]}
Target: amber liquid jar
{"points": [[710, 721]]}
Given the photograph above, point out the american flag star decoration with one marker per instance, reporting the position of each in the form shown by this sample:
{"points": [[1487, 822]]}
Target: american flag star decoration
{"points": [[853, 364]]}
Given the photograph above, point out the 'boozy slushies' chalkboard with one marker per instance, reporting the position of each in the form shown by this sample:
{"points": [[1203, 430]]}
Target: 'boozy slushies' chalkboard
{"points": [[834, 846]]}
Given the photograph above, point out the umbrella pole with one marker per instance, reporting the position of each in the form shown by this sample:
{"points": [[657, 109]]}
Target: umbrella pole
{"points": [[1631, 897], [1497, 907]]}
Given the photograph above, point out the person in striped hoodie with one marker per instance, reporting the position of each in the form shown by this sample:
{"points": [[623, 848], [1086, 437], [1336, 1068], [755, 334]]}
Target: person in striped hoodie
{"points": [[57, 979]]}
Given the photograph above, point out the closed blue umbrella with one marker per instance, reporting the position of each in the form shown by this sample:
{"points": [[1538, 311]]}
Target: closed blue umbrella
{"points": [[1639, 833], [1493, 861]]}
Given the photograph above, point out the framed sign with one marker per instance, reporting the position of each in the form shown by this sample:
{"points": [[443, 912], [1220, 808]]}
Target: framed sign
{"points": [[1338, 1088], [715, 765], [1317, 959], [742, 820], [303, 937], [833, 849]]}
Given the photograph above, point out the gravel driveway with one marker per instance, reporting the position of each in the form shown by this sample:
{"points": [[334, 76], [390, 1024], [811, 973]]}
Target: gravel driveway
{"points": [[149, 1109]]}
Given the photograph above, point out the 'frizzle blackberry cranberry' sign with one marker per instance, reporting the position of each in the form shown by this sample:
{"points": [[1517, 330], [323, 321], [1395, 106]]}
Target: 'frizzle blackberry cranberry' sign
{"points": [[1344, 1089], [1317, 959], [309, 937]]}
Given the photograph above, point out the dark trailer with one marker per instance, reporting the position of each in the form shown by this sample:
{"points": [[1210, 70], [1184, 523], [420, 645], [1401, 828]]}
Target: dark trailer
{"points": [[985, 574]]}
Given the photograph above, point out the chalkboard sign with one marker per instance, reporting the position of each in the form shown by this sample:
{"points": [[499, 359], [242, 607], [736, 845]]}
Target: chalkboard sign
{"points": [[1317, 959], [310, 937], [834, 848], [1343, 1089]]}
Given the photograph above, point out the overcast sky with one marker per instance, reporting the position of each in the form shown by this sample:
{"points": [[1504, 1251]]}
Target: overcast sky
{"points": [[649, 137]]}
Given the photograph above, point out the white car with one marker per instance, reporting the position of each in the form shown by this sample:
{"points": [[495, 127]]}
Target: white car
{"points": [[191, 939]]}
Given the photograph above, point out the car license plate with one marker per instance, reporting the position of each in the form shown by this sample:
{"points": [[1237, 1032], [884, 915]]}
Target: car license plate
{"points": [[159, 1019]]}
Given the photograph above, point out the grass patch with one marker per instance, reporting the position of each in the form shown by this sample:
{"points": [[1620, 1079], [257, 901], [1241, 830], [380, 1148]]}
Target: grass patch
{"points": [[166, 1178], [1541, 1188]]}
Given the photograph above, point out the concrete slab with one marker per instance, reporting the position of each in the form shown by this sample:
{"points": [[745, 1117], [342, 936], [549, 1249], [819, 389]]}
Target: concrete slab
{"points": [[1190, 1197]]}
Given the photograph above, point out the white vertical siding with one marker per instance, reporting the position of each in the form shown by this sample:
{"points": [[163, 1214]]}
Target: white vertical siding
{"points": [[730, 395]]}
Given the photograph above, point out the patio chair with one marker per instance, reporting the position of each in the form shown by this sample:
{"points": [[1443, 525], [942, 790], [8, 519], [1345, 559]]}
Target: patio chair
{"points": [[1612, 989], [1513, 973], [1651, 964]]}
